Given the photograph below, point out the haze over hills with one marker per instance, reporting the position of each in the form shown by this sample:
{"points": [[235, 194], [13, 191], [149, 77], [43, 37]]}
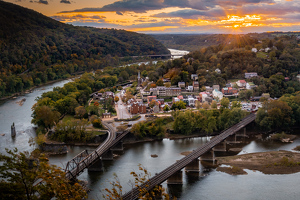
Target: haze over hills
{"points": [[31, 42]]}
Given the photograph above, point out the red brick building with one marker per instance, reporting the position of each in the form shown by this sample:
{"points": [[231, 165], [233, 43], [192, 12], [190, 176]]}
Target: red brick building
{"points": [[137, 108], [229, 91]]}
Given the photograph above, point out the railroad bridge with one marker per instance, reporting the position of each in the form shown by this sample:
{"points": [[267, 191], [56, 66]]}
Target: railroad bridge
{"points": [[173, 173], [93, 160]]}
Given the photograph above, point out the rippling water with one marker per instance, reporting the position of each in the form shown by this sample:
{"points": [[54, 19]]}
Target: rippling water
{"points": [[11, 111]]}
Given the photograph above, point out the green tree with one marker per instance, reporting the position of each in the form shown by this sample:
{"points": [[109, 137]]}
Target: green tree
{"points": [[214, 104], [236, 104], [45, 116], [175, 79], [184, 123], [178, 105], [166, 108], [80, 111], [225, 102]]}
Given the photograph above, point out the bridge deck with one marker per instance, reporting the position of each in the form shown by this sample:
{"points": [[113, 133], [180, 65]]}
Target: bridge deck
{"points": [[165, 174]]}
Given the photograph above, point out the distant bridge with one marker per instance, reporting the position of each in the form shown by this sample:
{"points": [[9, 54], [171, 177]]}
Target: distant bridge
{"points": [[184, 162], [158, 56], [93, 160]]}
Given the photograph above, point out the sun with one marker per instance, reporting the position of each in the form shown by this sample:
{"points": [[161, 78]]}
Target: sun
{"points": [[235, 21]]}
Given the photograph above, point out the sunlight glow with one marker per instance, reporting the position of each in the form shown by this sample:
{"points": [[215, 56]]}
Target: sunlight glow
{"points": [[234, 21]]}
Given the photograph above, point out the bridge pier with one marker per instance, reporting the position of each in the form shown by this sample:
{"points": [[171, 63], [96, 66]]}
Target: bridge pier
{"points": [[13, 130], [96, 167], [242, 134], [193, 166], [108, 155], [231, 139], [118, 147], [176, 178], [221, 147], [208, 156]]}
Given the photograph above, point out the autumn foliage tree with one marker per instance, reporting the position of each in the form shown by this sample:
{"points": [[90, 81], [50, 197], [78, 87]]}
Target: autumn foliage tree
{"points": [[140, 181], [20, 171], [116, 99]]}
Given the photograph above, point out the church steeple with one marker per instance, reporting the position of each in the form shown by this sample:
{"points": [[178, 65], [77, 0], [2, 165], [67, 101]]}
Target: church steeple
{"points": [[139, 79]]}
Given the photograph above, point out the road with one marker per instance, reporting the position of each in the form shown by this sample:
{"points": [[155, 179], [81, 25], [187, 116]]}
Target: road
{"points": [[122, 112]]}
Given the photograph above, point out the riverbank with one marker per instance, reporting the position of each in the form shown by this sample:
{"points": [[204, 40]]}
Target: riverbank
{"points": [[273, 162], [32, 88]]}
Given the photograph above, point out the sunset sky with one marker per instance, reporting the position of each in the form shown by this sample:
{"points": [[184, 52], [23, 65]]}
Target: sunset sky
{"points": [[174, 16]]}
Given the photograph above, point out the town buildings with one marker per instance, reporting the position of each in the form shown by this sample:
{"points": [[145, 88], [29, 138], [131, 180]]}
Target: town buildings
{"points": [[165, 91], [241, 83], [250, 75], [217, 94]]}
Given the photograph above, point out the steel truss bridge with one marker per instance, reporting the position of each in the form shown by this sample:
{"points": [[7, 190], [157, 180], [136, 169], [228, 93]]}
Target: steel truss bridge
{"points": [[86, 159]]}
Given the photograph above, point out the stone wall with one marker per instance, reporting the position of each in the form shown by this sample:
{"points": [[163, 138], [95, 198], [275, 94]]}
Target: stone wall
{"points": [[54, 148]]}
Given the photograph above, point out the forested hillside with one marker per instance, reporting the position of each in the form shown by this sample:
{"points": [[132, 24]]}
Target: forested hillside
{"points": [[196, 42], [47, 50], [277, 63]]}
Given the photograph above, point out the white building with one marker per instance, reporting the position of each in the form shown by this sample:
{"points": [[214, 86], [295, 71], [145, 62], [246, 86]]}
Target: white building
{"points": [[217, 94], [254, 50], [191, 101], [190, 88], [241, 83], [194, 77], [218, 71], [250, 74], [267, 49], [181, 84], [298, 77], [250, 86]]}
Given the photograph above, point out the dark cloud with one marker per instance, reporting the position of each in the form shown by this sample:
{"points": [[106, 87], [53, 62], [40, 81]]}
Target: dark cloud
{"points": [[43, 2], [119, 13], [78, 17], [140, 6], [65, 1], [157, 24], [225, 3], [272, 9], [192, 14]]}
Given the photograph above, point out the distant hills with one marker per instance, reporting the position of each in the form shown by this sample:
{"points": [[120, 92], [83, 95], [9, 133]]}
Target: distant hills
{"points": [[33, 43], [194, 42]]}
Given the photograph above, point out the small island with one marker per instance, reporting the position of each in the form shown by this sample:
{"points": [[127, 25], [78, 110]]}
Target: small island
{"points": [[274, 162]]}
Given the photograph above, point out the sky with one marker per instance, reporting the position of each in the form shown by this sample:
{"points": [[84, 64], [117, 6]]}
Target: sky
{"points": [[174, 16]]}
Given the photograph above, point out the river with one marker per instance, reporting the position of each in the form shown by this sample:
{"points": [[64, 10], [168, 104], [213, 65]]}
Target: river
{"points": [[212, 185]]}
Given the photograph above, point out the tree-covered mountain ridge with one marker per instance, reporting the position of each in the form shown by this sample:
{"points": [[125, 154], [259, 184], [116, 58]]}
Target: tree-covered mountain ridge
{"points": [[48, 49]]}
